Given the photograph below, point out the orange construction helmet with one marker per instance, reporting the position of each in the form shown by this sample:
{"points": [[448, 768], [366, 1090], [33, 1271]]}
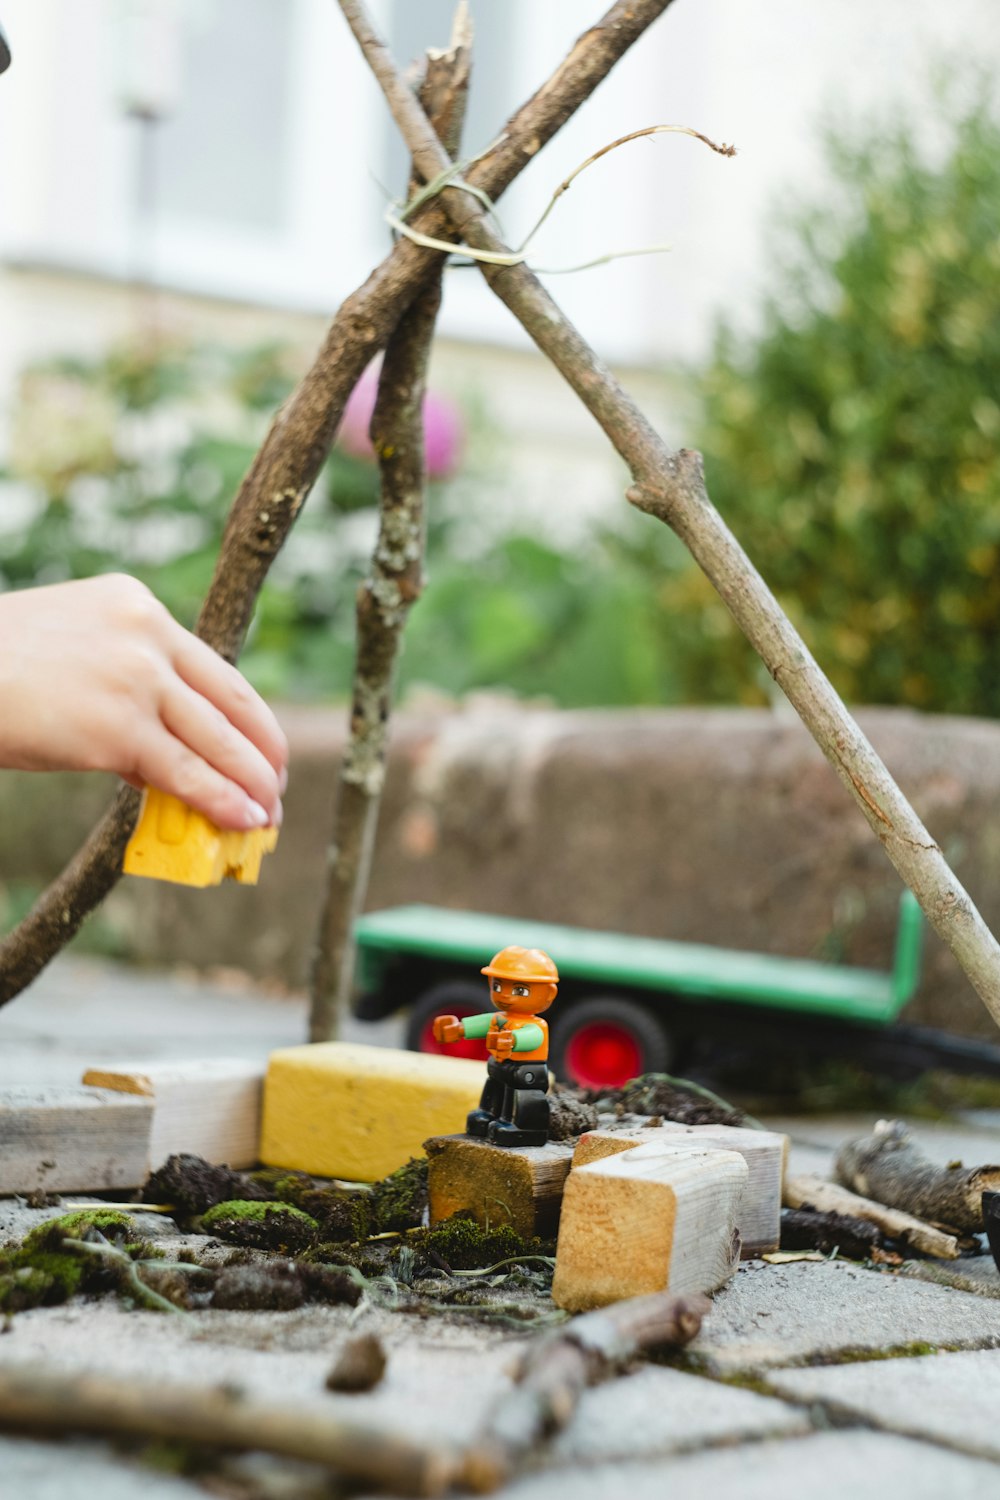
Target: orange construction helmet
{"points": [[530, 965]]}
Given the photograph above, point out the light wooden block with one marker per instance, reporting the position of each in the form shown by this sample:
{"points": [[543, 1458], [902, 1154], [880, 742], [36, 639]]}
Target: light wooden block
{"points": [[341, 1109], [208, 1106], [59, 1140], [517, 1185], [651, 1219], [764, 1151]]}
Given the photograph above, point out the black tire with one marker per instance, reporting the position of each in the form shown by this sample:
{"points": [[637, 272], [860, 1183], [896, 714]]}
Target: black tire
{"points": [[454, 997], [651, 1042]]}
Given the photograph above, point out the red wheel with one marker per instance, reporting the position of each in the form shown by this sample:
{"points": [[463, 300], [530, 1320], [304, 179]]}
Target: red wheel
{"points": [[456, 999], [601, 1044]]}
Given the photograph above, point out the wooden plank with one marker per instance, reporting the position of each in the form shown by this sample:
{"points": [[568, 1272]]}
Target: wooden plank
{"points": [[651, 1219], [764, 1151], [72, 1140], [517, 1185], [208, 1106]]}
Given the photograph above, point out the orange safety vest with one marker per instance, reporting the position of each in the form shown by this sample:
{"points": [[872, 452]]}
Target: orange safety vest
{"points": [[503, 1022]]}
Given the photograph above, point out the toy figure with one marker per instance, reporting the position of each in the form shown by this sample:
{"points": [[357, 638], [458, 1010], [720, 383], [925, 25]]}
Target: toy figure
{"points": [[514, 1110]]}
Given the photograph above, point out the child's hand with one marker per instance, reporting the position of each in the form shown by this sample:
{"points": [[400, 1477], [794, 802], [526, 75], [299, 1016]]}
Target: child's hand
{"points": [[98, 676]]}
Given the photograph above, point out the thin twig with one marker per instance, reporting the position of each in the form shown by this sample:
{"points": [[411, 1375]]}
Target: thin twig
{"points": [[129, 1269], [671, 486], [388, 594]]}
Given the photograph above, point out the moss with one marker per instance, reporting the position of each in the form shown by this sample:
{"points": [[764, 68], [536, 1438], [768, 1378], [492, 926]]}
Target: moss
{"points": [[43, 1272], [264, 1226], [464, 1246], [109, 1222], [400, 1200]]}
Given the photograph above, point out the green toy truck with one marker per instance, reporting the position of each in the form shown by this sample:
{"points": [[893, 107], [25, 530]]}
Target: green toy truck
{"points": [[631, 1005]]}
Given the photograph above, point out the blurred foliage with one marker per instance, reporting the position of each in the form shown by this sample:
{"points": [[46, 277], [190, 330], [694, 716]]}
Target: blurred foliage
{"points": [[854, 445]]}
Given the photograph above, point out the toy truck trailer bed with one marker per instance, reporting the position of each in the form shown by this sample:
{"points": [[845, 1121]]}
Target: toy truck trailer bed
{"points": [[629, 1005]]}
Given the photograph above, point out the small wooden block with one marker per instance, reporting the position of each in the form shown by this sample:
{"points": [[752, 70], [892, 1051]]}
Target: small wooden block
{"points": [[208, 1106], [172, 841], [651, 1219], [72, 1140], [517, 1185], [341, 1109], [764, 1151]]}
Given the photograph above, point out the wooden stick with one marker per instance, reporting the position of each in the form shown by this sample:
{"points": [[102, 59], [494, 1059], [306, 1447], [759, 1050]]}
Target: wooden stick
{"points": [[889, 1166], [829, 1197], [34, 1396], [392, 588], [671, 486], [556, 1370], [291, 456]]}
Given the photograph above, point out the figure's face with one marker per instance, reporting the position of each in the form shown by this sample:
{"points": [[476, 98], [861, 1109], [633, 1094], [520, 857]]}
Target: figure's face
{"points": [[521, 997]]}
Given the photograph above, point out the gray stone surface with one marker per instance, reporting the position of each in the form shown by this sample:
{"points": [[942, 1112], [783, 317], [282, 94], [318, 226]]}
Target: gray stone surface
{"points": [[16, 1218], [953, 1399], [977, 1275], [808, 1311], [661, 1411], [33, 1470], [828, 1466]]}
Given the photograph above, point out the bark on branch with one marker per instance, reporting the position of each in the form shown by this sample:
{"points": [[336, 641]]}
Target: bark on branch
{"points": [[670, 485], [807, 1191], [286, 467], [388, 594], [890, 1167], [35, 1397], [555, 1371]]}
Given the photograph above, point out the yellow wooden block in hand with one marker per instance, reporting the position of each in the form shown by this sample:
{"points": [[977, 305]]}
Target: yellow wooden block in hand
{"points": [[341, 1109], [173, 842]]}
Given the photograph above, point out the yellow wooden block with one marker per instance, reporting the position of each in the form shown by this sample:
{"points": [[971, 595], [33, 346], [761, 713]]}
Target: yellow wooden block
{"points": [[173, 842], [341, 1109]]}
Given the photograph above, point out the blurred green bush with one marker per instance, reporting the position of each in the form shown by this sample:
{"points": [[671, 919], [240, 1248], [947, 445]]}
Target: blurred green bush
{"points": [[853, 445]]}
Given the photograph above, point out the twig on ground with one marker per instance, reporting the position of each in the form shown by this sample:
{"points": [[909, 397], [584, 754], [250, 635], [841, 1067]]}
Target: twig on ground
{"points": [[807, 1191], [34, 1396], [555, 1371], [890, 1167]]}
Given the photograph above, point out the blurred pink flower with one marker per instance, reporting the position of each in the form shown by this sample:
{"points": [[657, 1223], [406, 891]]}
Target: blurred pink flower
{"points": [[442, 428]]}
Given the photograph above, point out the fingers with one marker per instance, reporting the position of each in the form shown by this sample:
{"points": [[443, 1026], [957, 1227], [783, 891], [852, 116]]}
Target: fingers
{"points": [[166, 763], [224, 687], [200, 726]]}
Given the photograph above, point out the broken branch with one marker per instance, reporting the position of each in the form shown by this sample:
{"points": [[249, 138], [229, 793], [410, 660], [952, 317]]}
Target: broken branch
{"points": [[35, 1397], [555, 1371], [807, 1191], [888, 1165]]}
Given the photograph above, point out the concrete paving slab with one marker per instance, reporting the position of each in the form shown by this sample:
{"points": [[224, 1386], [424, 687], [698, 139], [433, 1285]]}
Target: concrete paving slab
{"points": [[978, 1275], [807, 1311], [660, 1411], [80, 1470], [951, 1399], [828, 1466], [16, 1218]]}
